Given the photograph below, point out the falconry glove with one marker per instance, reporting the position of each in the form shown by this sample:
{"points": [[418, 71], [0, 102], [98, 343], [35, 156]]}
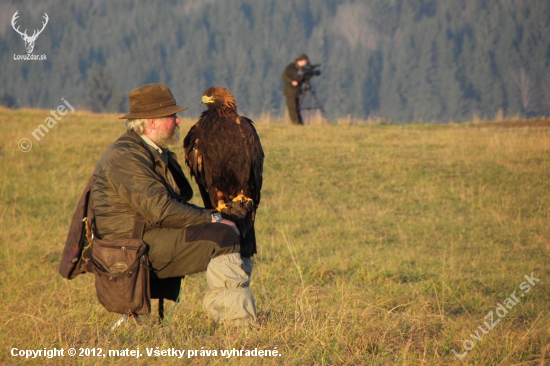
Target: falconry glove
{"points": [[238, 209]]}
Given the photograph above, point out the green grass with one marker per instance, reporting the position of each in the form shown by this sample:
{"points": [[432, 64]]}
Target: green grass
{"points": [[377, 245]]}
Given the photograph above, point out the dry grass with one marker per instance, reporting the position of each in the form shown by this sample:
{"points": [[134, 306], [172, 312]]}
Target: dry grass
{"points": [[378, 245]]}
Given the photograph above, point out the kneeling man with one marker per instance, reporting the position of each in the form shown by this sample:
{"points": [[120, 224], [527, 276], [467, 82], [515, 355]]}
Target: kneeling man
{"points": [[138, 177]]}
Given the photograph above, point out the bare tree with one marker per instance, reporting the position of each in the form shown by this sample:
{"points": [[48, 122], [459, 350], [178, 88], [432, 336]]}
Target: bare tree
{"points": [[530, 93]]}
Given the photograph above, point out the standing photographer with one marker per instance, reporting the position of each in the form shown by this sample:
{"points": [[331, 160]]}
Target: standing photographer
{"points": [[292, 77]]}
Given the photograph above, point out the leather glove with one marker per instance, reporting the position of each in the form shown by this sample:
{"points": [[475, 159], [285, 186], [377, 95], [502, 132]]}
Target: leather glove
{"points": [[238, 209]]}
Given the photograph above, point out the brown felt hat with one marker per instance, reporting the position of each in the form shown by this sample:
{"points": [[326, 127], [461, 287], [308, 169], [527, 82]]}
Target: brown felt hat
{"points": [[152, 101]]}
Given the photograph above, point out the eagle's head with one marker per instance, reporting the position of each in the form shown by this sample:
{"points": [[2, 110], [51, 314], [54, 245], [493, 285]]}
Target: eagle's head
{"points": [[219, 99]]}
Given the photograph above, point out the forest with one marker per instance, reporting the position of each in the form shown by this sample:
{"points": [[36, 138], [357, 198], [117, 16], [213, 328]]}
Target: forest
{"points": [[404, 61]]}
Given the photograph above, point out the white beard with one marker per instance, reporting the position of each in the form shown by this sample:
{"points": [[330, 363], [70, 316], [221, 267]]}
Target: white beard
{"points": [[173, 139]]}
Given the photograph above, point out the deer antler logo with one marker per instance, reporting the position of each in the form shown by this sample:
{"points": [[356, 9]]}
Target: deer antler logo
{"points": [[29, 41]]}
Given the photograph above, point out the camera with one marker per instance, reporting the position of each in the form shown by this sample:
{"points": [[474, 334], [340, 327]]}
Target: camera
{"points": [[307, 72]]}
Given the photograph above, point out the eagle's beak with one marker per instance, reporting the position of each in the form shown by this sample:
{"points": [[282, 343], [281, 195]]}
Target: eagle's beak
{"points": [[206, 99]]}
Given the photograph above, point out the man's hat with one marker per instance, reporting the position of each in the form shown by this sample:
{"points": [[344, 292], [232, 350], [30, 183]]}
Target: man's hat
{"points": [[303, 56], [152, 101]]}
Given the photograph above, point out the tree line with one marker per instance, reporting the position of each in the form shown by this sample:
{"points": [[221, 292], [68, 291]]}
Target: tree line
{"points": [[414, 60]]}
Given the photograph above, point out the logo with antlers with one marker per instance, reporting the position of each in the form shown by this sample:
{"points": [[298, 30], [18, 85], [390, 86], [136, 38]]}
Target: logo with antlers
{"points": [[29, 41]]}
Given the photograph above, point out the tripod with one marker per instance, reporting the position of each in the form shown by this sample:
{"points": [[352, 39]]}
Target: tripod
{"points": [[308, 101]]}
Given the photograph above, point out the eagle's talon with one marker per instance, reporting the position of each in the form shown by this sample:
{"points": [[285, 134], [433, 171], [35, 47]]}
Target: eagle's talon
{"points": [[241, 198], [220, 208]]}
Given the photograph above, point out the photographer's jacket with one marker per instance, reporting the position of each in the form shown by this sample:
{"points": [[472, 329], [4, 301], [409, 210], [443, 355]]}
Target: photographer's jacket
{"points": [[290, 74], [131, 177]]}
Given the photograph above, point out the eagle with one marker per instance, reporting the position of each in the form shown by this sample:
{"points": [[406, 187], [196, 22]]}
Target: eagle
{"points": [[225, 157]]}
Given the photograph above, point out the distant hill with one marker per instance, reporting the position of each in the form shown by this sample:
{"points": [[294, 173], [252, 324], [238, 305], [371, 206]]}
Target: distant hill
{"points": [[400, 60]]}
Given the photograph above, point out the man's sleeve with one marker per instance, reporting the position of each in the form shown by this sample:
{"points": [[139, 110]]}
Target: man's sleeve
{"points": [[138, 184], [287, 75]]}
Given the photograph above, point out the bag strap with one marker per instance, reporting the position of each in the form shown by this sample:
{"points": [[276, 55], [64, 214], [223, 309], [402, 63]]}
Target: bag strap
{"points": [[139, 227]]}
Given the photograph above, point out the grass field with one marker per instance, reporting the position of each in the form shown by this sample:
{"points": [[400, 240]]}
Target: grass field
{"points": [[378, 244]]}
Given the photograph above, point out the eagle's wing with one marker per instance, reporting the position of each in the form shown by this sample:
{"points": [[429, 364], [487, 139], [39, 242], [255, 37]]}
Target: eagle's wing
{"points": [[194, 159], [255, 154]]}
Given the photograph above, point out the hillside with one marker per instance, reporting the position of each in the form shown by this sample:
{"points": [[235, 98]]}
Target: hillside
{"points": [[421, 60]]}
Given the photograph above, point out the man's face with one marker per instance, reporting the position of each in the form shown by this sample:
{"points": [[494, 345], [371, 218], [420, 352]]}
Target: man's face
{"points": [[166, 130], [301, 63]]}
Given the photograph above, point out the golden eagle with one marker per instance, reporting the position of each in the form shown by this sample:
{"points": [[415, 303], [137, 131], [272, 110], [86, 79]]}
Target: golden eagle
{"points": [[225, 156]]}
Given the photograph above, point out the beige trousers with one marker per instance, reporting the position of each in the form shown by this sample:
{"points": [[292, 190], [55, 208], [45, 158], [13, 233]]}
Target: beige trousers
{"points": [[229, 298]]}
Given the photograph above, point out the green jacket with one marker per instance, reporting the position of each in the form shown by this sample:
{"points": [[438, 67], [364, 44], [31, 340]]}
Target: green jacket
{"points": [[291, 73], [131, 177]]}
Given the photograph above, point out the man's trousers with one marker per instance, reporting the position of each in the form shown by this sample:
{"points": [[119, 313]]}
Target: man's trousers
{"points": [[211, 247], [293, 105]]}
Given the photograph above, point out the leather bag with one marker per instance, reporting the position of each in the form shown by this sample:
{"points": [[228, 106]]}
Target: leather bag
{"points": [[121, 269]]}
